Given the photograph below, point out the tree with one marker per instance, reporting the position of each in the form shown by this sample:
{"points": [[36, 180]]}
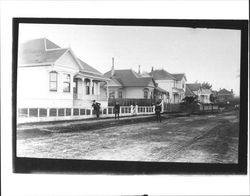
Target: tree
{"points": [[206, 85]]}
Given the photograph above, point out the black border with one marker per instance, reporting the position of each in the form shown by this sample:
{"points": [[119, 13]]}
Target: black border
{"points": [[37, 165]]}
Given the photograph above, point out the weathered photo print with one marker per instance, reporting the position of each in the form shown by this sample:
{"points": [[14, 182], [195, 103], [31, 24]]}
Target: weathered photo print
{"points": [[128, 93]]}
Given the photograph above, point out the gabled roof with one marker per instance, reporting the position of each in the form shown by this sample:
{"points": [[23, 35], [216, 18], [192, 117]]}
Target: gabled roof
{"points": [[86, 67], [194, 86], [36, 52], [224, 91], [128, 78], [189, 92], [179, 76], [161, 75], [115, 82], [44, 51]]}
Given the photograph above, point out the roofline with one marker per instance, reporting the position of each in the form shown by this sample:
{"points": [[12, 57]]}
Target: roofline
{"points": [[35, 64], [184, 75], [105, 79]]}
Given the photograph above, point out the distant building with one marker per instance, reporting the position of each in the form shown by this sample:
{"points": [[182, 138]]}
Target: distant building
{"points": [[224, 95], [175, 84], [196, 90], [52, 77], [128, 84]]}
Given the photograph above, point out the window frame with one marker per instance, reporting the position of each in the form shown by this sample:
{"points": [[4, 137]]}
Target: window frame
{"points": [[120, 93], [50, 81], [67, 80]]}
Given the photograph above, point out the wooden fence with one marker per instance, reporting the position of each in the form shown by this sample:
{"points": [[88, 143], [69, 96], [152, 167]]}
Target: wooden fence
{"points": [[26, 115]]}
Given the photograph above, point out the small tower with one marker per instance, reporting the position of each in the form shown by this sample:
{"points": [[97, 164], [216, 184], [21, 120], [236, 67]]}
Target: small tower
{"points": [[152, 69]]}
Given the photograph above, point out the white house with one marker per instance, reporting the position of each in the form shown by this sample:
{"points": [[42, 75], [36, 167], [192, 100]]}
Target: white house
{"points": [[128, 84], [195, 89], [52, 77], [173, 83]]}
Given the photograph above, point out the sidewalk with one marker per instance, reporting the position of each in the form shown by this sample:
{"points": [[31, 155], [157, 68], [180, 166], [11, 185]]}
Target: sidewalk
{"points": [[95, 122], [44, 125]]}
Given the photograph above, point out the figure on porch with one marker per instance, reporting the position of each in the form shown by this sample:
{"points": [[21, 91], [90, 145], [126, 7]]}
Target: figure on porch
{"points": [[96, 107], [117, 110]]}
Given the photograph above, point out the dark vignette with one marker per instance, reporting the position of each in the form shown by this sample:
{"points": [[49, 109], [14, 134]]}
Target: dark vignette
{"points": [[37, 165]]}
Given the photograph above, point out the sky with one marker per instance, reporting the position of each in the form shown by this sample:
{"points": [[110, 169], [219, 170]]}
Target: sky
{"points": [[204, 55]]}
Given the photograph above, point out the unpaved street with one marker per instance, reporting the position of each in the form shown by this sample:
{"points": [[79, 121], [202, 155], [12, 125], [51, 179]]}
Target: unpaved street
{"points": [[205, 138]]}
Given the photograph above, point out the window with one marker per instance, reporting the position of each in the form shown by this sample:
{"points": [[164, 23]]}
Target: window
{"points": [[53, 81], [120, 94], [112, 94], [87, 82], [66, 82], [75, 86], [145, 94]]}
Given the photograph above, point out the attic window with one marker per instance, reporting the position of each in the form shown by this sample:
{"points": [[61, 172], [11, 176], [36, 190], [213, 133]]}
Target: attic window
{"points": [[53, 81]]}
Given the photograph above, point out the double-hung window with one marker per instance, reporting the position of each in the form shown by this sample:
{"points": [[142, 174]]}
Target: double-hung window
{"points": [[66, 82], [53, 81]]}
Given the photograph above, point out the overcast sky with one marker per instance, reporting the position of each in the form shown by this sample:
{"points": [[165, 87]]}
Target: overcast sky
{"points": [[211, 55]]}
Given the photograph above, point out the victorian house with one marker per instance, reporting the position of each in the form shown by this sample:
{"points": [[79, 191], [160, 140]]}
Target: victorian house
{"points": [[49, 76], [175, 84], [127, 85]]}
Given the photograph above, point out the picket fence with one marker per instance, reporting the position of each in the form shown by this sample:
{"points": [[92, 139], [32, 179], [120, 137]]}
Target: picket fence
{"points": [[26, 115]]}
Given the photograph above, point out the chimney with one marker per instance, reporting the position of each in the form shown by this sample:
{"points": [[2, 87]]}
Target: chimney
{"points": [[113, 67], [152, 69], [139, 69]]}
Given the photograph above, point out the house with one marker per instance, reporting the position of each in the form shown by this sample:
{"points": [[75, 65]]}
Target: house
{"points": [[224, 95], [128, 84], [196, 90], [53, 77], [173, 83]]}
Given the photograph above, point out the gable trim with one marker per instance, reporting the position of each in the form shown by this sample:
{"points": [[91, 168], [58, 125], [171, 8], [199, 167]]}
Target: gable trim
{"points": [[72, 54]]}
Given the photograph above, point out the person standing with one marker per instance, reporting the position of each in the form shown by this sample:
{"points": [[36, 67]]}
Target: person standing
{"points": [[117, 110], [158, 111], [96, 107]]}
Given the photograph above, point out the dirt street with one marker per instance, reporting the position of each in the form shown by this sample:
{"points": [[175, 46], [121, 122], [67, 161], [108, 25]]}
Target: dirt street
{"points": [[209, 138]]}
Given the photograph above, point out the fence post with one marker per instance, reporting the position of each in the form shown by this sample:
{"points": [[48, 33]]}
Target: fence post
{"points": [[131, 109], [153, 108], [136, 109]]}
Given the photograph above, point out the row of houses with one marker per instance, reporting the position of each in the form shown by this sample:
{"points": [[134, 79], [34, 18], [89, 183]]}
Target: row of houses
{"points": [[53, 77]]}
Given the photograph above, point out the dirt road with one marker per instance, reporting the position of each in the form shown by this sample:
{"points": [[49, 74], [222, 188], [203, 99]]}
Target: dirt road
{"points": [[203, 139]]}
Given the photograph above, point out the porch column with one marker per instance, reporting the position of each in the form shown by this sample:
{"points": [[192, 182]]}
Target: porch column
{"points": [[90, 86], [107, 90]]}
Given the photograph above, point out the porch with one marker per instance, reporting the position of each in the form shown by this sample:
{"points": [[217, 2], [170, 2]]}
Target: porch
{"points": [[87, 89]]}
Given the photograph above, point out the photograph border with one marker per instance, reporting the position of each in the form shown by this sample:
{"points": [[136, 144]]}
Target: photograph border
{"points": [[38, 165]]}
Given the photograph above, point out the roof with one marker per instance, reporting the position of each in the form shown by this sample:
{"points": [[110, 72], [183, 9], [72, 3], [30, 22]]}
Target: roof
{"points": [[42, 51], [128, 77], [88, 68], [36, 52], [161, 90], [114, 82], [194, 86], [179, 76], [161, 75], [224, 91], [189, 92]]}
